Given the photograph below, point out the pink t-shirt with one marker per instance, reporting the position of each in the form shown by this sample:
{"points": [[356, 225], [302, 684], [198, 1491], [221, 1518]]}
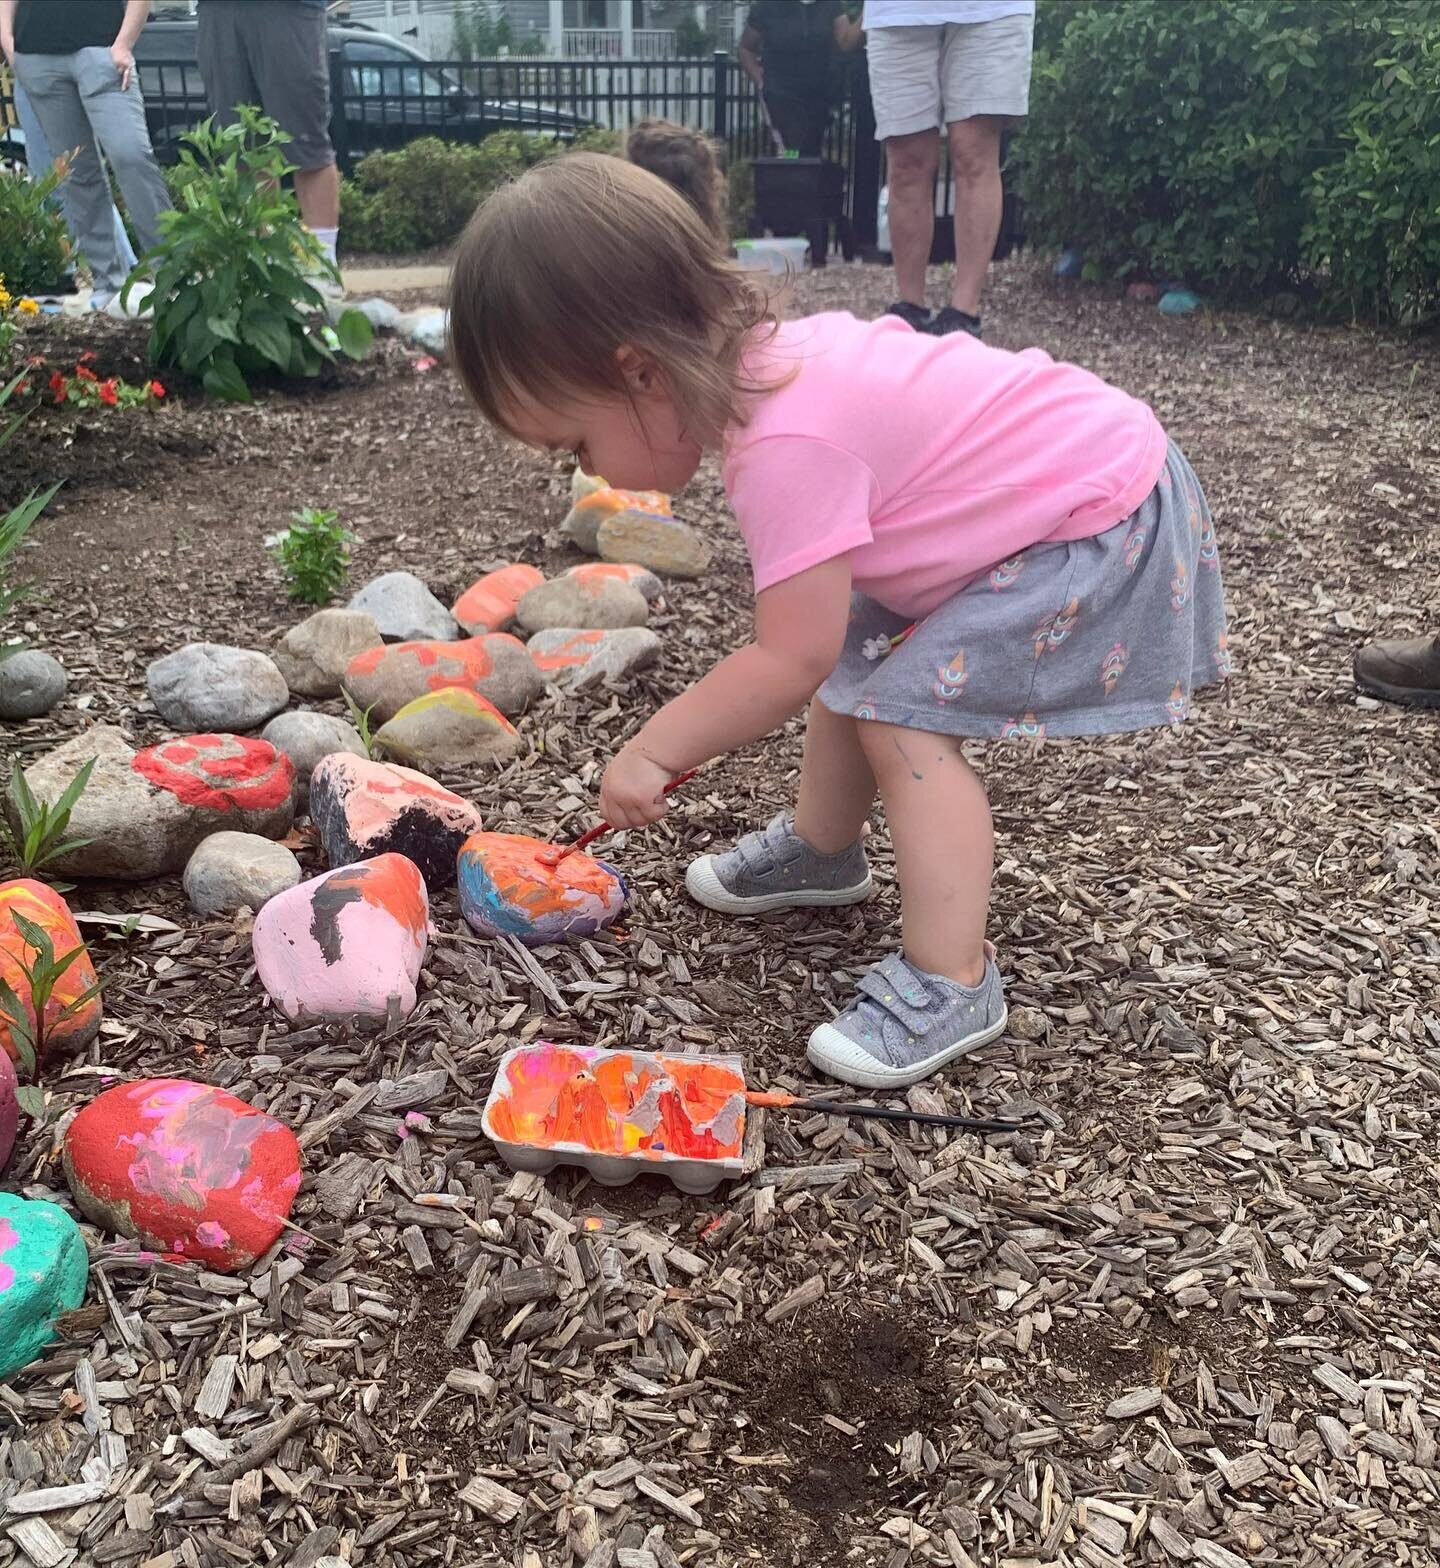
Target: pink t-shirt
{"points": [[927, 461]]}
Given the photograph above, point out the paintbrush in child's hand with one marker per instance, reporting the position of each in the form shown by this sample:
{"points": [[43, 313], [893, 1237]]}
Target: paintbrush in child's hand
{"points": [[553, 857]]}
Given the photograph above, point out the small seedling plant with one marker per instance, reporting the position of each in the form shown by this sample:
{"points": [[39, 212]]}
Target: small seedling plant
{"points": [[37, 836], [27, 1023], [314, 554], [360, 718]]}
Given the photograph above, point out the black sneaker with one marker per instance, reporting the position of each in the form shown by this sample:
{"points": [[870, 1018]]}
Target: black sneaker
{"points": [[912, 315], [951, 320]]}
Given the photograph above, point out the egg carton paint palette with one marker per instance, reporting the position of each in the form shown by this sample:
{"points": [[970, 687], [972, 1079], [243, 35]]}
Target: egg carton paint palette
{"points": [[619, 1114]]}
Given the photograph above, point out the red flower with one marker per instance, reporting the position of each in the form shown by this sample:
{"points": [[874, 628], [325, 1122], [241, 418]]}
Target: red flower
{"points": [[156, 390], [87, 356], [108, 394], [59, 386], [23, 388], [82, 373]]}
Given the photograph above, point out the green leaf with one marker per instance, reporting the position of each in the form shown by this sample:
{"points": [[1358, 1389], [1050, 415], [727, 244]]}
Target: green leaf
{"points": [[223, 380], [31, 1100], [355, 333], [265, 330]]}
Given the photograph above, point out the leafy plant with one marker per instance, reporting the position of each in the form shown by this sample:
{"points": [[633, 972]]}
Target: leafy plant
{"points": [[82, 388], [15, 523], [692, 39], [28, 1026], [360, 718], [480, 29], [39, 836], [314, 554], [235, 272], [34, 247]]}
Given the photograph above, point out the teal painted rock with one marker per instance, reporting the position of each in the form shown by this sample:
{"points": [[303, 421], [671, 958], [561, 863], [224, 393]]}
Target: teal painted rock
{"points": [[43, 1270]]}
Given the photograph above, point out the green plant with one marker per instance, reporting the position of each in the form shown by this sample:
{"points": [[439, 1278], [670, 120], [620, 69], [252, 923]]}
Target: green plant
{"points": [[27, 1025], [15, 523], [692, 39], [479, 29], [360, 718], [314, 554], [39, 834], [34, 248], [234, 290]]}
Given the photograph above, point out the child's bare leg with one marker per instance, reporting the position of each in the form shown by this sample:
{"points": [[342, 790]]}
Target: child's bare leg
{"points": [[944, 846], [837, 787]]}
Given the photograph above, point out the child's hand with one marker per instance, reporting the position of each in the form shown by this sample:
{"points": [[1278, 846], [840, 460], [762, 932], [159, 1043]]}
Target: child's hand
{"points": [[630, 791]]}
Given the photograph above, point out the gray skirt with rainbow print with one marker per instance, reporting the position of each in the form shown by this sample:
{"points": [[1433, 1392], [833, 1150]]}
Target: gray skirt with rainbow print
{"points": [[1088, 637]]}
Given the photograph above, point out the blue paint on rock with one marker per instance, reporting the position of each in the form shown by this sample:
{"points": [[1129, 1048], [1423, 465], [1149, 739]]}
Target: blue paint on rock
{"points": [[43, 1272]]}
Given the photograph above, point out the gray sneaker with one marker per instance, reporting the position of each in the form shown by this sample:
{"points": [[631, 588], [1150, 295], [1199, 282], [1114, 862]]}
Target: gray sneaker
{"points": [[776, 869], [907, 1023]]}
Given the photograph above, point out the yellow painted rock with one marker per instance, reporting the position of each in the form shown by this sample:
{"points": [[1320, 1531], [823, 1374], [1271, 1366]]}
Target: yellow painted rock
{"points": [[450, 728]]}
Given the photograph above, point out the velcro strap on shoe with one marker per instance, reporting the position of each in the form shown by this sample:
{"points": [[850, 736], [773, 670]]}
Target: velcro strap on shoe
{"points": [[894, 986]]}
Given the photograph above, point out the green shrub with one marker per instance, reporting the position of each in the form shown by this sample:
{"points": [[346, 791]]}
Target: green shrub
{"points": [[1200, 141], [34, 247], [423, 194], [233, 274], [314, 554], [1373, 236]]}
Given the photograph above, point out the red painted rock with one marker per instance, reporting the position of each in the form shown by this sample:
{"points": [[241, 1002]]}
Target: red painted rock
{"points": [[578, 659], [186, 1169], [348, 945], [640, 577], [582, 526], [488, 605], [144, 812], [9, 1108], [44, 906], [363, 808], [494, 666]]}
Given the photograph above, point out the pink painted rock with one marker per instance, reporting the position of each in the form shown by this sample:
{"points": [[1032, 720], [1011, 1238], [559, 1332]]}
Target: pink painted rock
{"points": [[494, 666], [186, 1169], [347, 945], [488, 604], [640, 577], [144, 812], [363, 809], [9, 1108], [44, 907]]}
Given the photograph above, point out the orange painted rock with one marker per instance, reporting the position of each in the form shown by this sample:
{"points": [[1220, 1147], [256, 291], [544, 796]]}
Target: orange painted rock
{"points": [[453, 728], [586, 602], [582, 526], [507, 889], [495, 666], [578, 659], [44, 906], [347, 945], [640, 577], [488, 605], [363, 808], [186, 1169]]}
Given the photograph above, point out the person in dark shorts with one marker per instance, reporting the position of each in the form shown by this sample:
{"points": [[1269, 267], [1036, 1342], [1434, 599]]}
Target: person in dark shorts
{"points": [[273, 54], [788, 49]]}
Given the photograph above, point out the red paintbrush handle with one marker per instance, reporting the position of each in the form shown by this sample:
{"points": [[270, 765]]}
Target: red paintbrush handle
{"points": [[591, 834]]}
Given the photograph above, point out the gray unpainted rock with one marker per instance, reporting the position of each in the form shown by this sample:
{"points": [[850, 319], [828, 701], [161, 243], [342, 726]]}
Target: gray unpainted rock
{"points": [[665, 545], [611, 656], [380, 313], [315, 654], [590, 605], [229, 871], [431, 331], [31, 683], [207, 686], [306, 736], [405, 610]]}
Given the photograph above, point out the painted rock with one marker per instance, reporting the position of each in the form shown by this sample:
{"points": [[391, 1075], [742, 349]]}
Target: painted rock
{"points": [[506, 889], [315, 654], [238, 870], [1179, 302], [664, 545], [184, 1168], [43, 905], [488, 605], [453, 728], [363, 808], [144, 812], [206, 686], [345, 945], [43, 1271], [583, 602], [31, 683], [583, 484], [576, 659], [9, 1107], [1148, 293], [306, 737], [640, 577], [404, 609], [495, 666], [582, 526]]}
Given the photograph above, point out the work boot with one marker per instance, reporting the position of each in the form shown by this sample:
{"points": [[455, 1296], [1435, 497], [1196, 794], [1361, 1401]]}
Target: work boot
{"points": [[1401, 670]]}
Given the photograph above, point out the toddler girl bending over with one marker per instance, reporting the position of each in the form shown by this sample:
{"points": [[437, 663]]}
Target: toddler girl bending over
{"points": [[947, 539]]}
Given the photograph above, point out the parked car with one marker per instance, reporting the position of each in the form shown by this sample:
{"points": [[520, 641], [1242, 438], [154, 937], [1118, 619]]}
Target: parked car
{"points": [[393, 93]]}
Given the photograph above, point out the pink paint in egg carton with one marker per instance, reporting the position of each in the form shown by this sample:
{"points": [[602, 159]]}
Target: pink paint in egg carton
{"points": [[619, 1114]]}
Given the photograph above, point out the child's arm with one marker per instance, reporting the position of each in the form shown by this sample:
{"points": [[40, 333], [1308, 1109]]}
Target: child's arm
{"points": [[799, 632]]}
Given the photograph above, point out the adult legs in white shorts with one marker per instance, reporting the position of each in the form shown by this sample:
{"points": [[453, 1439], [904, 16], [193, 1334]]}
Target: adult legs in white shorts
{"points": [[970, 78]]}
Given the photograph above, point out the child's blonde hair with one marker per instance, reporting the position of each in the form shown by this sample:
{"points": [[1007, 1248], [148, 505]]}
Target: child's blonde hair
{"points": [[581, 257], [687, 160]]}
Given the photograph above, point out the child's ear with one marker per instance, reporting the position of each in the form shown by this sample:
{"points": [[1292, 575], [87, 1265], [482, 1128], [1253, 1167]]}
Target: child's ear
{"points": [[640, 374]]}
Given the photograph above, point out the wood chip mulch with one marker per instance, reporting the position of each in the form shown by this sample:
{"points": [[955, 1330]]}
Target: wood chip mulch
{"points": [[1191, 1316]]}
